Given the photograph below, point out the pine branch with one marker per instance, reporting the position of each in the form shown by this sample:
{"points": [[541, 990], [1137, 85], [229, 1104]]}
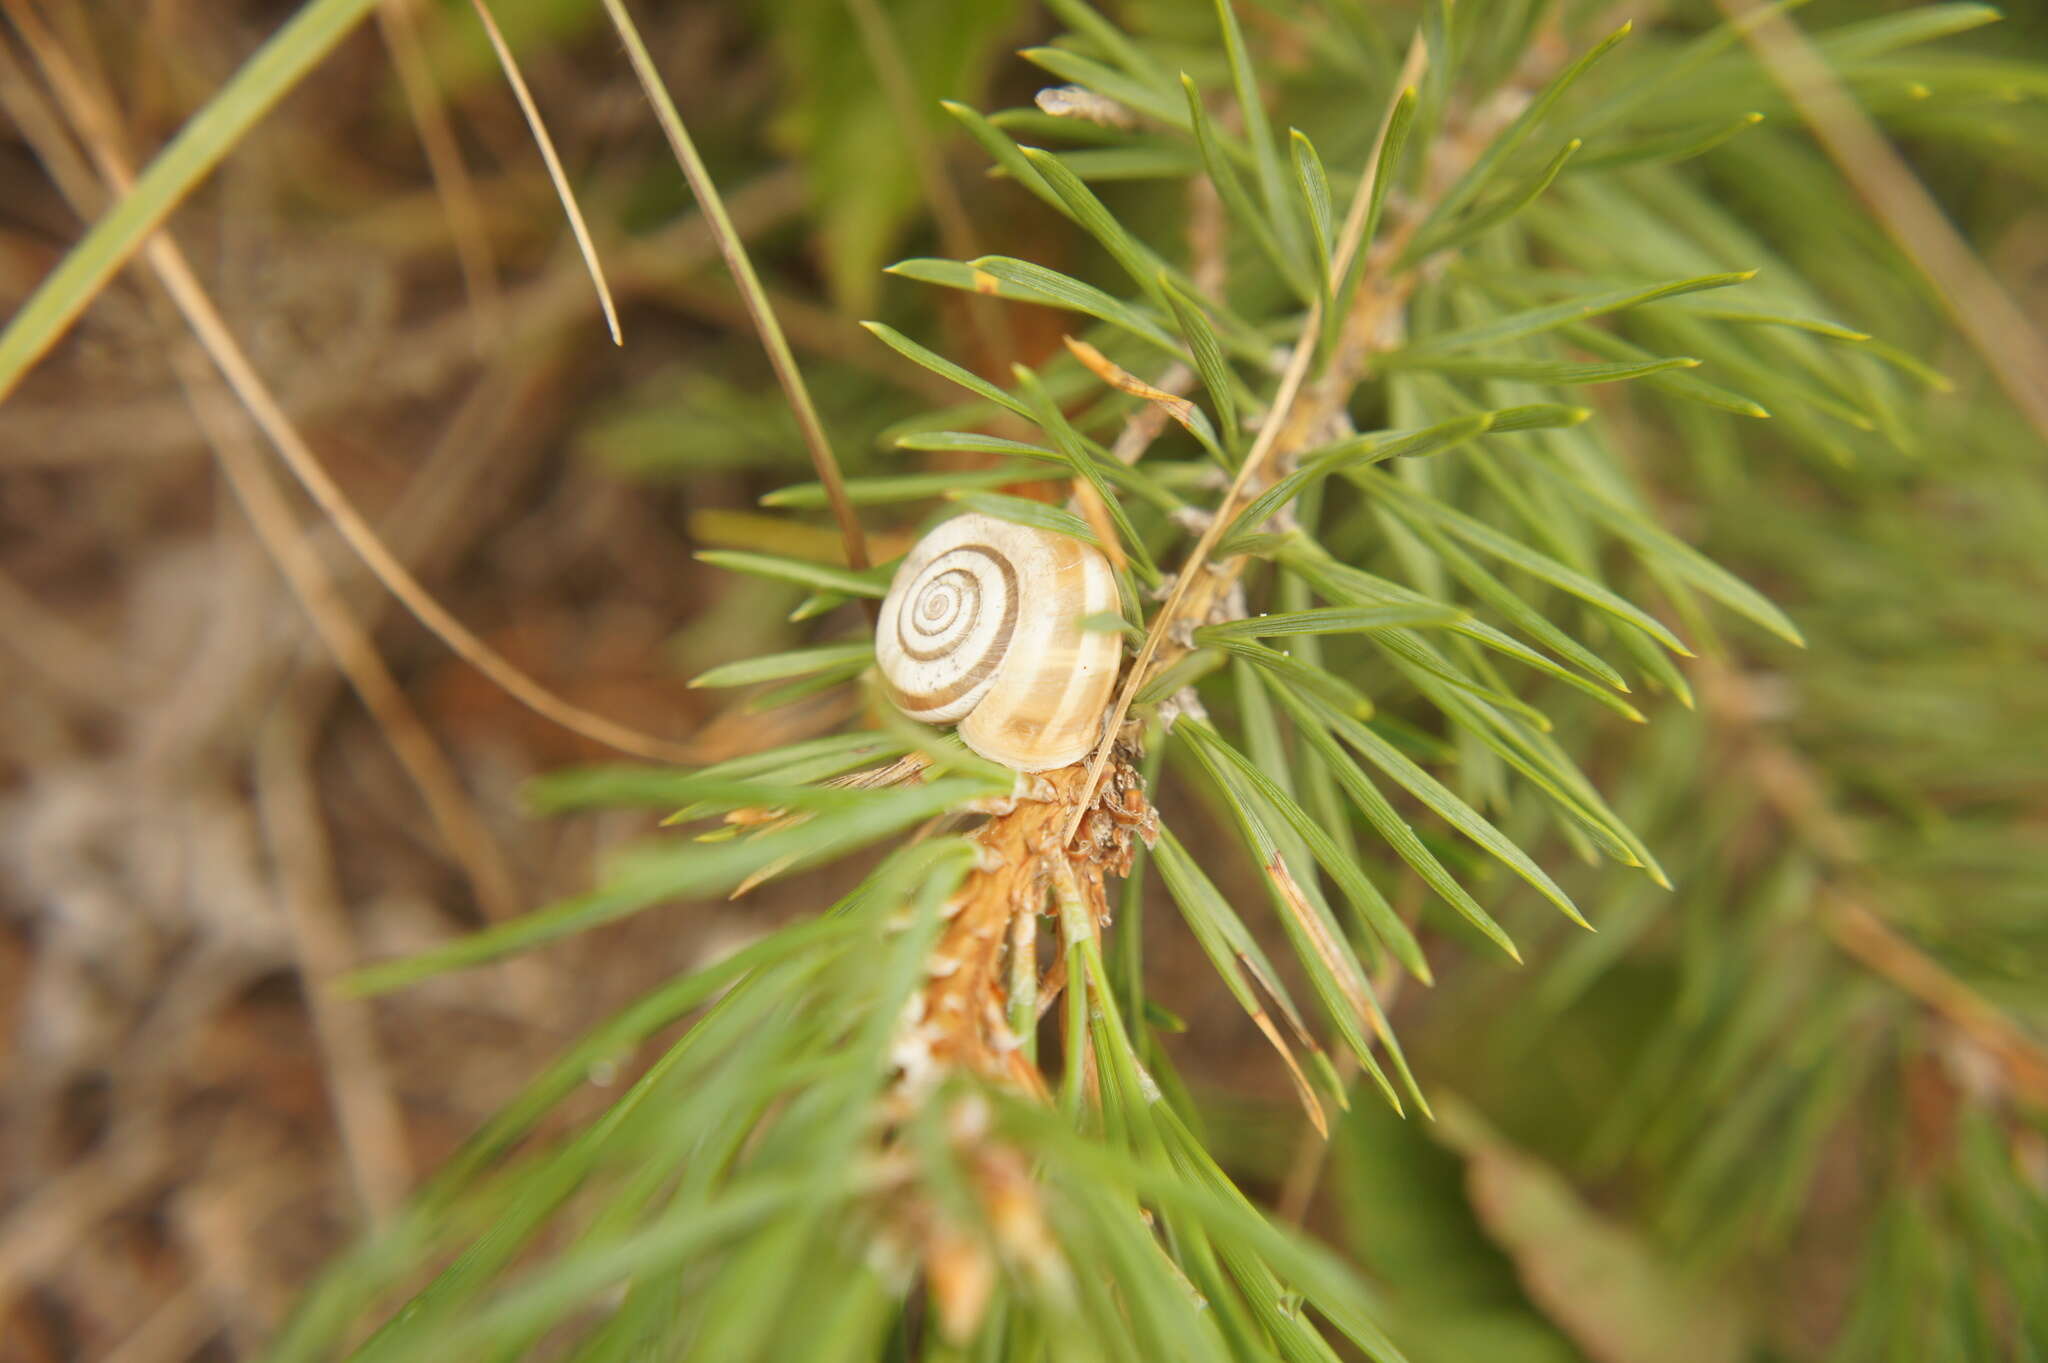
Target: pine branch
{"points": [[1295, 422]]}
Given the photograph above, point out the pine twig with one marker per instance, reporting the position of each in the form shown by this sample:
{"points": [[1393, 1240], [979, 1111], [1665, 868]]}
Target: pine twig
{"points": [[1278, 434], [967, 1019], [355, 654]]}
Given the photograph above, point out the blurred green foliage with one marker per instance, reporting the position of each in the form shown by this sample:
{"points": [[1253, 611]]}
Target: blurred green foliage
{"points": [[843, 124]]}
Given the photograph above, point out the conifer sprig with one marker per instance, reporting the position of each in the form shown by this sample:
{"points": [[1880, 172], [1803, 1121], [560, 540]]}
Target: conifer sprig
{"points": [[1389, 470]]}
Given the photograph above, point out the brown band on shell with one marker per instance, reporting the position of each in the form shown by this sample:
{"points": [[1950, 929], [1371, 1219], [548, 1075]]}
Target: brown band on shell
{"points": [[993, 655]]}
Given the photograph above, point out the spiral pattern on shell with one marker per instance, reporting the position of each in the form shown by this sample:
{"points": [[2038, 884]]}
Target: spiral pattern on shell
{"points": [[982, 626]]}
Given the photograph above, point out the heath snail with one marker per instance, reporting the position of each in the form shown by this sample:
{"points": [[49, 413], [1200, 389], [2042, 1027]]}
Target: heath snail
{"points": [[982, 626]]}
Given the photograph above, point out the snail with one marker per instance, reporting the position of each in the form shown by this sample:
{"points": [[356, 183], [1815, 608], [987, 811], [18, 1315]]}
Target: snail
{"points": [[982, 626]]}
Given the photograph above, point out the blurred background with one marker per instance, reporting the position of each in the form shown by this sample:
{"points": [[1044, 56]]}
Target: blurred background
{"points": [[218, 783]]}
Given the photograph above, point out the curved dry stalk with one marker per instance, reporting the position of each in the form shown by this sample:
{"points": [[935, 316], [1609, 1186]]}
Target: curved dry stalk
{"points": [[461, 828], [556, 174], [712, 204], [463, 831]]}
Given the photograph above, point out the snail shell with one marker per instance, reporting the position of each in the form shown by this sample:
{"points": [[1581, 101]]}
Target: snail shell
{"points": [[982, 626]]}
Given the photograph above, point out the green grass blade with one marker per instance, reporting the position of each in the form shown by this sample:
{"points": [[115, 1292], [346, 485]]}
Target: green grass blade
{"points": [[1364, 896], [1024, 511], [1214, 370], [1490, 161], [1237, 200], [1332, 620], [1313, 184], [1149, 100], [689, 871], [1520, 613], [904, 487], [207, 137], [1537, 564], [1536, 371], [1516, 325], [1391, 827], [1138, 260]]}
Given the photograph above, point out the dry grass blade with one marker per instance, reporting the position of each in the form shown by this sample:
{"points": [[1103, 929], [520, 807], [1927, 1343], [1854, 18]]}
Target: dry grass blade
{"points": [[398, 21], [372, 1127], [270, 418], [734, 250], [1335, 955], [347, 641], [554, 164], [1982, 311], [468, 841], [1148, 423], [262, 406]]}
